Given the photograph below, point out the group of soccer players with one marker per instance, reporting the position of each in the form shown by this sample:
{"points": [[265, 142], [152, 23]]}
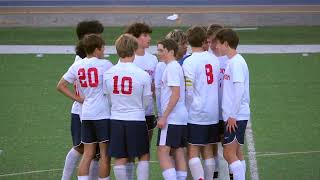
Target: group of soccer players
{"points": [[202, 99]]}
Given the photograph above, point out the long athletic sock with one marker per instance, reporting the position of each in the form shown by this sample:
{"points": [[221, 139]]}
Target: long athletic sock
{"points": [[120, 172], [130, 170], [70, 164], [196, 168], [182, 175], [237, 170], [83, 178], [243, 162], [216, 169], [143, 170], [170, 174], [94, 170], [208, 168]]}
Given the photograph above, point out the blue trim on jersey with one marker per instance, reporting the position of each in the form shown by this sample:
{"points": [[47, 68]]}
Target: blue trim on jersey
{"points": [[182, 59]]}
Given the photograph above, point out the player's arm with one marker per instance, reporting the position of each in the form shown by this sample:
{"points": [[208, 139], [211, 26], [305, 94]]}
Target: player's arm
{"points": [[175, 95], [238, 84], [63, 88], [157, 80]]}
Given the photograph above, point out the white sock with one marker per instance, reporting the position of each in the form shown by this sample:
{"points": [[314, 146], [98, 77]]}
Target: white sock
{"points": [[130, 170], [143, 170], [243, 162], [106, 178], [170, 174], [83, 178], [94, 170], [216, 160], [70, 164], [182, 175], [196, 168], [209, 168], [120, 172], [237, 170]]}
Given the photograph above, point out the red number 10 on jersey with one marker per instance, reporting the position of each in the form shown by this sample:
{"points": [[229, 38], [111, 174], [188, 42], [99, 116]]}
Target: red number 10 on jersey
{"points": [[126, 85]]}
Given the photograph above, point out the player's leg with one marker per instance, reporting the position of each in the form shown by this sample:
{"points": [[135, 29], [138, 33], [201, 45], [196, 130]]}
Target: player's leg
{"points": [[117, 148], [181, 163], [103, 131], [232, 143], [168, 170], [76, 151], [137, 142], [209, 164], [88, 155]]}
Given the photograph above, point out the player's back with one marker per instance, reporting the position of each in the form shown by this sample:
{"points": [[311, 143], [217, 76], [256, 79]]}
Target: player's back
{"points": [[89, 73], [203, 69], [127, 84]]}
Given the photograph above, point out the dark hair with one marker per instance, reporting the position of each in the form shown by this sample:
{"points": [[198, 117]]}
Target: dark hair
{"points": [[213, 29], [126, 45], [196, 36], [136, 29], [228, 35], [91, 42], [80, 50], [170, 44], [89, 27]]}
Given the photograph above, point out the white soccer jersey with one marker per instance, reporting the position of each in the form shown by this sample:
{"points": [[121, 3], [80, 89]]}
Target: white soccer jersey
{"points": [[76, 106], [89, 74], [201, 72], [223, 62], [173, 76], [157, 83], [236, 71], [148, 63], [127, 85]]}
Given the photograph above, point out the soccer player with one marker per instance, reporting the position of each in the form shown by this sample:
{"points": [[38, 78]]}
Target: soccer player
{"points": [[235, 102], [74, 154], [223, 60], [95, 111], [148, 63], [179, 37], [174, 116], [129, 88], [200, 71]]}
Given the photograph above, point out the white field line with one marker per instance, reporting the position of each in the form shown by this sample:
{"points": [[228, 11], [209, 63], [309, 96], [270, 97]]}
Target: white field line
{"points": [[253, 165], [249, 49], [263, 154]]}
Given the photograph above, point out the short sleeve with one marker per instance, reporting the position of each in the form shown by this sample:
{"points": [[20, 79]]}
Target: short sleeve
{"points": [[70, 75], [173, 75]]}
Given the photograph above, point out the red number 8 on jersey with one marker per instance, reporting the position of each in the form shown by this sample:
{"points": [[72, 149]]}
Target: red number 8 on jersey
{"points": [[209, 73]]}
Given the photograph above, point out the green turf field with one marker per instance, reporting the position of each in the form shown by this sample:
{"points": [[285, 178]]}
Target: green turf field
{"points": [[66, 35], [285, 103]]}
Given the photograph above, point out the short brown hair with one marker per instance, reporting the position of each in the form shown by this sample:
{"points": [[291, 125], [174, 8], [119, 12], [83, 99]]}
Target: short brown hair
{"points": [[136, 29], [196, 36], [178, 36], [89, 27], [213, 29], [91, 42], [126, 45], [228, 35], [169, 44]]}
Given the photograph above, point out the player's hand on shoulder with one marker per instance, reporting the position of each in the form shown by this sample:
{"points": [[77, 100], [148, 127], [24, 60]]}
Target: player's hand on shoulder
{"points": [[231, 125], [162, 121]]}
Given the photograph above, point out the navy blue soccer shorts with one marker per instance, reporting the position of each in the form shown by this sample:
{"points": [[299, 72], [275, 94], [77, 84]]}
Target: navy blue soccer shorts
{"points": [[236, 135]]}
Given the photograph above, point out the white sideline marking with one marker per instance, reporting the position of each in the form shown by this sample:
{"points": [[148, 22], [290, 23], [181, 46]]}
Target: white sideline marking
{"points": [[254, 175], [246, 29], [249, 49], [285, 153]]}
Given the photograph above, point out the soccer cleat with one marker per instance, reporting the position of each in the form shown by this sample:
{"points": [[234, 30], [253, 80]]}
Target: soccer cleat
{"points": [[215, 175]]}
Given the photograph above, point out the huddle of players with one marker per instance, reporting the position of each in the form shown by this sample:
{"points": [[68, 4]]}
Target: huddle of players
{"points": [[117, 103]]}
